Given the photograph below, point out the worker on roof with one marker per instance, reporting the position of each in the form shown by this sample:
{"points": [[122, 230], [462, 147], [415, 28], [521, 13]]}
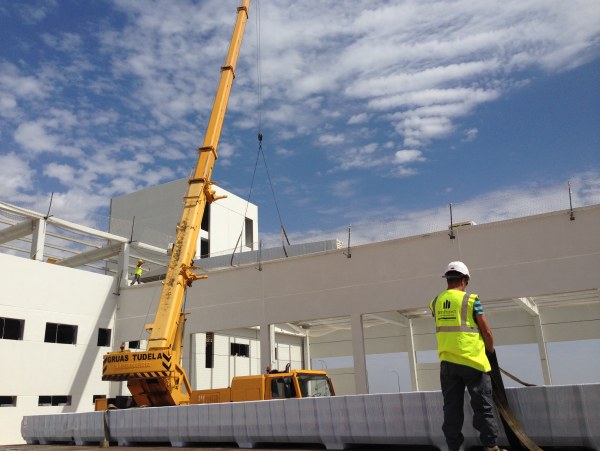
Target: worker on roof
{"points": [[463, 336], [138, 273]]}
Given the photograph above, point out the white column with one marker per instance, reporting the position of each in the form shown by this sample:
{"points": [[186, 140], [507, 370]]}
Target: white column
{"points": [[530, 307], [360, 361], [123, 269], [267, 347], [539, 332], [306, 351], [191, 370], [38, 239], [412, 357]]}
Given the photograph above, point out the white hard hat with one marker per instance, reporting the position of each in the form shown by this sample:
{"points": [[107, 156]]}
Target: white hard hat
{"points": [[457, 267]]}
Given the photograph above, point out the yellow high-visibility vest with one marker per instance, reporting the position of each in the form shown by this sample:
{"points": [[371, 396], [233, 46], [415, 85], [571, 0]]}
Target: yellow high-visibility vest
{"points": [[138, 271], [458, 337]]}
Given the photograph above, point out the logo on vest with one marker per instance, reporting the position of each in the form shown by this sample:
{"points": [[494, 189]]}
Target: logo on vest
{"points": [[446, 304]]}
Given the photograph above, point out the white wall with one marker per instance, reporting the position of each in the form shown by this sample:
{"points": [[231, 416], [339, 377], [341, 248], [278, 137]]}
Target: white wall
{"points": [[39, 293], [528, 257], [226, 366]]}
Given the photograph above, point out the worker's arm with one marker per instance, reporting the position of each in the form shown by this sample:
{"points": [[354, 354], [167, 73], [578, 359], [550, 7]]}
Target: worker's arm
{"points": [[486, 332]]}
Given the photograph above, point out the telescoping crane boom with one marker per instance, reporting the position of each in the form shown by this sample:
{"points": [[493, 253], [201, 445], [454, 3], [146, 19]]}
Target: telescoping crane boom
{"points": [[155, 377]]}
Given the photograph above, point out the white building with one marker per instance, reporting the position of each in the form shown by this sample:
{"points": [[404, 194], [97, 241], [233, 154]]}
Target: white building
{"points": [[538, 277], [228, 224]]}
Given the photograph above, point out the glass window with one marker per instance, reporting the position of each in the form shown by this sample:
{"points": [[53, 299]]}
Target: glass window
{"points": [[240, 350], [47, 400], [249, 233], [313, 385], [8, 401], [11, 329], [134, 344], [60, 333], [104, 337], [283, 387], [210, 348]]}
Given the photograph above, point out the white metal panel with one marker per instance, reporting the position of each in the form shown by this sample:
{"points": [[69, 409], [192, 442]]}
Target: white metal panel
{"points": [[335, 422]]}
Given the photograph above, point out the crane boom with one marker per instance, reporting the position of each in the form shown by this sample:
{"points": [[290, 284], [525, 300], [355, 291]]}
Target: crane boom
{"points": [[155, 377]]}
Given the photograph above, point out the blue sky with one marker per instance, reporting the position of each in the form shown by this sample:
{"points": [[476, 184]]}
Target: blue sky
{"points": [[382, 111]]}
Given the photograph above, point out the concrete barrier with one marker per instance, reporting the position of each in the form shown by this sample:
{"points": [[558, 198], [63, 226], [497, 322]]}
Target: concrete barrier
{"points": [[552, 416]]}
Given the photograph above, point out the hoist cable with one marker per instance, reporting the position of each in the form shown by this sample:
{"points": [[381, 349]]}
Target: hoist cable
{"points": [[260, 149], [258, 70], [260, 139], [246, 212]]}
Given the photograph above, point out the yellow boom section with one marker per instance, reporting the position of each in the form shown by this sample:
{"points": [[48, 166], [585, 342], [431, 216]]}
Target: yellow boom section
{"points": [[155, 377]]}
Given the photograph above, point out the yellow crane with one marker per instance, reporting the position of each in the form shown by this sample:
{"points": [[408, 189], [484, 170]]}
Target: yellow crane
{"points": [[155, 377]]}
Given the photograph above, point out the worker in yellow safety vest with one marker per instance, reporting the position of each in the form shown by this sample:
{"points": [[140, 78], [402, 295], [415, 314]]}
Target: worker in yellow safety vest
{"points": [[137, 275], [463, 336]]}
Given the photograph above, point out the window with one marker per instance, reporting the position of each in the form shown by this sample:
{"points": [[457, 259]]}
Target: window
{"points": [[249, 235], [104, 337], [61, 333], [283, 387], [210, 346], [206, 218], [11, 329], [240, 350], [134, 344], [8, 401], [204, 248], [54, 401]]}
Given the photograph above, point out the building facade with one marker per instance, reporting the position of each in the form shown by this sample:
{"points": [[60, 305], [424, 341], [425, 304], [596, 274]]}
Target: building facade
{"points": [[537, 277]]}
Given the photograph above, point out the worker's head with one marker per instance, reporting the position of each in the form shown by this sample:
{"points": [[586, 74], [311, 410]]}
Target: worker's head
{"points": [[140, 262], [457, 274]]}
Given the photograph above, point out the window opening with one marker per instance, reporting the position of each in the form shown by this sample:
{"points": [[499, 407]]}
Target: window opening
{"points": [[104, 337], [249, 233], [205, 225], [8, 401], [134, 344], [11, 329], [240, 350], [61, 333], [204, 248], [209, 348], [46, 400]]}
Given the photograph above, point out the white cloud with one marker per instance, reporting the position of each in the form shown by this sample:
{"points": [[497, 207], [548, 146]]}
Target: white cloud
{"points": [[20, 86], [48, 134], [16, 176], [406, 72], [38, 12], [344, 189], [471, 134], [378, 224], [360, 118], [329, 139], [406, 156], [33, 136], [64, 173], [284, 152]]}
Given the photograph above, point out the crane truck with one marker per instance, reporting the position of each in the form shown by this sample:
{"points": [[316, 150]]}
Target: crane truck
{"points": [[156, 377]]}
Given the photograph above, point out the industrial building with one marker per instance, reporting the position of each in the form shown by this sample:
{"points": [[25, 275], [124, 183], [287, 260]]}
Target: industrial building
{"points": [[537, 276]]}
